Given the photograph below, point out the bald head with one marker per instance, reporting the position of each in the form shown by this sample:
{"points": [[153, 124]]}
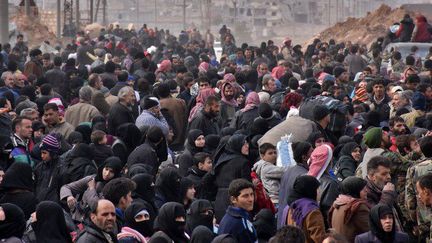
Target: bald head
{"points": [[104, 216]]}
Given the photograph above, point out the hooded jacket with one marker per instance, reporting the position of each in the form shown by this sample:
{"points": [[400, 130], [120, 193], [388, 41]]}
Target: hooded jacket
{"points": [[270, 176], [232, 164], [185, 160], [167, 187], [346, 165], [19, 176]]}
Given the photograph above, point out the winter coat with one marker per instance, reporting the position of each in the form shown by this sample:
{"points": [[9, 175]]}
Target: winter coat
{"points": [[196, 175], [145, 154], [405, 30], [367, 237], [313, 226], [101, 152], [349, 216], [177, 110], [48, 180], [148, 119], [236, 222], [244, 120], [229, 166], [118, 115], [92, 234], [286, 188], [33, 67], [206, 123], [329, 191], [346, 166], [80, 112], [63, 127], [270, 176], [421, 32]]}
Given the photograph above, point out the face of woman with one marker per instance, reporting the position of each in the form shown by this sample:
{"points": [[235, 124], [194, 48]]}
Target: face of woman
{"points": [[387, 222], [245, 149], [107, 173], [356, 154], [200, 141], [240, 99], [190, 194], [319, 142]]}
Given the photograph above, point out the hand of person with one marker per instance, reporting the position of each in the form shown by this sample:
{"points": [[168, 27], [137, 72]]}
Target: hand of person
{"points": [[71, 201], [389, 187], [92, 184]]}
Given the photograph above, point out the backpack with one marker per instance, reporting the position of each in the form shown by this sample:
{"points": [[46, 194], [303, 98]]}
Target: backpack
{"points": [[338, 111], [262, 200]]}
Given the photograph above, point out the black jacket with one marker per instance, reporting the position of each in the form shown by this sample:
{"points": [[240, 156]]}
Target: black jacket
{"points": [[48, 180], [244, 120], [118, 115], [196, 175], [145, 154], [206, 123], [329, 191]]}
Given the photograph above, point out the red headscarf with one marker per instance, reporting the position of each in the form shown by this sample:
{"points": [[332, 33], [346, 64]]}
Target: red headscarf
{"points": [[200, 100], [231, 102], [252, 101]]}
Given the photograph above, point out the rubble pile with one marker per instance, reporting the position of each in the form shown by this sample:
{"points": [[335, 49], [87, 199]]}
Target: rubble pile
{"points": [[364, 30], [33, 30]]}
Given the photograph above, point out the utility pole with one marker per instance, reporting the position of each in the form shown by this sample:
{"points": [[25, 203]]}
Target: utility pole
{"points": [[77, 15], [4, 19], [27, 8], [104, 6], [58, 19], [155, 13], [184, 14], [91, 10]]}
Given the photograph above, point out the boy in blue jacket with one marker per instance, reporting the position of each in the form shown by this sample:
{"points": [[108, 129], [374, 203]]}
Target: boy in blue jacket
{"points": [[236, 219]]}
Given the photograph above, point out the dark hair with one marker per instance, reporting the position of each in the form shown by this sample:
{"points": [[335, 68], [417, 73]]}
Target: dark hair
{"points": [[163, 90], [110, 67], [211, 100], [293, 83], [425, 181], [200, 157], [123, 76], [410, 60], [57, 61], [117, 188], [413, 79], [375, 162], [377, 81], [97, 136], [237, 185], [45, 89], [50, 106], [17, 121], [266, 146], [395, 119], [288, 234], [426, 145], [397, 55]]}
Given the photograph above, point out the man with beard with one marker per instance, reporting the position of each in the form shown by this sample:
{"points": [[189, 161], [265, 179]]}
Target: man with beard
{"points": [[102, 223], [397, 126], [379, 187], [121, 112], [206, 120]]}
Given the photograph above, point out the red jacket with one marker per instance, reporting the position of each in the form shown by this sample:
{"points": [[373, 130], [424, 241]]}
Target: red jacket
{"points": [[421, 33]]}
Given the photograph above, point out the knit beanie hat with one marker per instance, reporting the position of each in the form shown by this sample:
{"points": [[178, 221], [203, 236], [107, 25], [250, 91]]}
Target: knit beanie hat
{"points": [[337, 71], [419, 101], [320, 160], [352, 186], [150, 102], [372, 138], [50, 144], [319, 112]]}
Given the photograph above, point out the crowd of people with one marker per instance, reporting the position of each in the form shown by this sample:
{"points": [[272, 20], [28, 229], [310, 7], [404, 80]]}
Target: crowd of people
{"points": [[143, 136]]}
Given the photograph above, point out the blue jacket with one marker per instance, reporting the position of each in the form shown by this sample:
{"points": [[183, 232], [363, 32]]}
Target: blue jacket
{"points": [[236, 223]]}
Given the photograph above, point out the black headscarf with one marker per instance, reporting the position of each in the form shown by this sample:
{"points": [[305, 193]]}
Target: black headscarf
{"points": [[144, 227], [168, 184], [352, 186], [85, 131], [190, 145], [129, 134], [112, 162], [185, 184], [18, 176], [227, 131], [313, 137], [166, 222], [202, 234], [212, 142], [14, 224], [50, 225], [265, 224], [154, 135], [197, 217], [224, 238], [348, 148], [144, 187], [305, 186], [375, 215]]}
